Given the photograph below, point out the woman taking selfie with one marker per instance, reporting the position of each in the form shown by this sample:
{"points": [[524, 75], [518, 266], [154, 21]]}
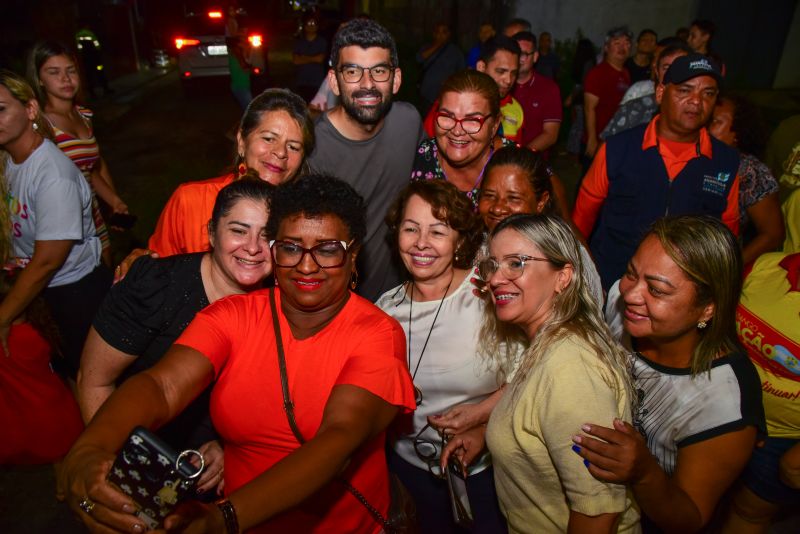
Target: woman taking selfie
{"points": [[335, 357]]}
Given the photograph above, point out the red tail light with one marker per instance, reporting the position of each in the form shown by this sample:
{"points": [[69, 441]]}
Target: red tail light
{"points": [[215, 14], [180, 42], [255, 40]]}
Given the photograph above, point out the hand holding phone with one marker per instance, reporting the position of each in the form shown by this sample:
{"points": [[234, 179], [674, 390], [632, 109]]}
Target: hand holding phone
{"points": [[154, 475]]}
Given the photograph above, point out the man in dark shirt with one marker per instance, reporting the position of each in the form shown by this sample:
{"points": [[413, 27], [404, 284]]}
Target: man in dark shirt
{"points": [[639, 64], [439, 60], [548, 63]]}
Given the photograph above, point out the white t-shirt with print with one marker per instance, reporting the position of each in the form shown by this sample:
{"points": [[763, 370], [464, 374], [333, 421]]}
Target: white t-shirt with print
{"points": [[50, 200]]}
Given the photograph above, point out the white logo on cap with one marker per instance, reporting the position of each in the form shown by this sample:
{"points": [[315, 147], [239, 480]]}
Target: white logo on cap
{"points": [[700, 64]]}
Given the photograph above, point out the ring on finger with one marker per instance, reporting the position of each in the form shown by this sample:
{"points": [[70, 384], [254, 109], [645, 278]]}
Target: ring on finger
{"points": [[87, 505]]}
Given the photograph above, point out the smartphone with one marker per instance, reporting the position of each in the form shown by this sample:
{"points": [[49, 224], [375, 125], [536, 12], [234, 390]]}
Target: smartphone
{"points": [[156, 477], [459, 499]]}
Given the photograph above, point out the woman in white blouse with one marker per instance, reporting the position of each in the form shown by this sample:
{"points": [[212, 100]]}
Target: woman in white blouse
{"points": [[437, 235]]}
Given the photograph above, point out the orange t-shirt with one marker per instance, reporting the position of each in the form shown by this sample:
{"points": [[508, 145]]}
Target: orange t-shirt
{"points": [[594, 188], [182, 227], [362, 347]]}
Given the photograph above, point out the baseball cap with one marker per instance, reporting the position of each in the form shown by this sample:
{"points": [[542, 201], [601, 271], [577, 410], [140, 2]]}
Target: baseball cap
{"points": [[691, 66], [621, 31]]}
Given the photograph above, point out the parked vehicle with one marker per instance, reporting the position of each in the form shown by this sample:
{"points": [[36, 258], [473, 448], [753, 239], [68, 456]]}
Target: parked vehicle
{"points": [[206, 39]]}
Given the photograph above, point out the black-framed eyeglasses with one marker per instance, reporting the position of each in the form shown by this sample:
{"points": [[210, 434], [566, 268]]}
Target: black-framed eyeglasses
{"points": [[427, 451], [328, 254], [511, 266], [354, 73], [470, 125]]}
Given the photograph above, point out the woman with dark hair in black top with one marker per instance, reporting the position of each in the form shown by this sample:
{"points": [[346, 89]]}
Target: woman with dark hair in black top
{"points": [[144, 314]]}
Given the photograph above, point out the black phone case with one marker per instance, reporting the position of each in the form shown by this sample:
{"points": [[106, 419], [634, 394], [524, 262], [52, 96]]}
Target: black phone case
{"points": [[153, 475]]}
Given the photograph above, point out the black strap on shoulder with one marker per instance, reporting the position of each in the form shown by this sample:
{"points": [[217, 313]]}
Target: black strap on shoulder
{"points": [[288, 407]]}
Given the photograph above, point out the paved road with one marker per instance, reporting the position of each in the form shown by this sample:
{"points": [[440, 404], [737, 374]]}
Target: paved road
{"points": [[165, 138]]}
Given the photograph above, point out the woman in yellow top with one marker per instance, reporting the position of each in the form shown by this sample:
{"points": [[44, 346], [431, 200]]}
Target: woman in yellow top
{"points": [[570, 370]]}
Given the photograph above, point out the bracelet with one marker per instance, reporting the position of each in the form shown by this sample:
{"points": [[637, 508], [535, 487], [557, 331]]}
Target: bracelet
{"points": [[229, 516]]}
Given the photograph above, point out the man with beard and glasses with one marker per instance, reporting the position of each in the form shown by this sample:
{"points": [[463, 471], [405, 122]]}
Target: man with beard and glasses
{"points": [[368, 141]]}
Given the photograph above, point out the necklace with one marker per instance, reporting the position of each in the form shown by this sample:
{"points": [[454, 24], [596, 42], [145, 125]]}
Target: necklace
{"points": [[417, 391]]}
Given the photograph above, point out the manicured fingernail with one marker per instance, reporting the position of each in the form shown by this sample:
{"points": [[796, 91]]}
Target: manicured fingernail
{"points": [[128, 508], [586, 428], [576, 449], [586, 463], [577, 439], [137, 528]]}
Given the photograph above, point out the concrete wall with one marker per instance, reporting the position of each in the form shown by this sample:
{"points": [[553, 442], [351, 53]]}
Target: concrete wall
{"points": [[788, 75], [562, 18]]}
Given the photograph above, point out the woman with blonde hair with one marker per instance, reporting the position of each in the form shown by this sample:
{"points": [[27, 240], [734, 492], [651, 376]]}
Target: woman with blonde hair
{"points": [[699, 395], [570, 369], [52, 229]]}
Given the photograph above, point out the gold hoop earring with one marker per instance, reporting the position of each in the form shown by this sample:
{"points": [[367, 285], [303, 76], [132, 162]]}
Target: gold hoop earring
{"points": [[354, 279]]}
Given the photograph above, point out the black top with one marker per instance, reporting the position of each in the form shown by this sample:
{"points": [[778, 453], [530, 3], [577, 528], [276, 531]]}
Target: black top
{"points": [[144, 314], [637, 73]]}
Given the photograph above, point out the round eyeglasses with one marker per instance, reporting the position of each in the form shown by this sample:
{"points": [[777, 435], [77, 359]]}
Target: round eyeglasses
{"points": [[427, 451], [328, 254], [511, 267], [354, 73], [470, 125]]}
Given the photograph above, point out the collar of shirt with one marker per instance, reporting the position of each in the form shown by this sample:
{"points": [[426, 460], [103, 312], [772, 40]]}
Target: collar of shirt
{"points": [[651, 138]]}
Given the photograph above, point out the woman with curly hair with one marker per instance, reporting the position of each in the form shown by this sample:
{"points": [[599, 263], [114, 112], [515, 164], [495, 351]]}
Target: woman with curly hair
{"points": [[437, 235], [737, 122], [296, 465]]}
